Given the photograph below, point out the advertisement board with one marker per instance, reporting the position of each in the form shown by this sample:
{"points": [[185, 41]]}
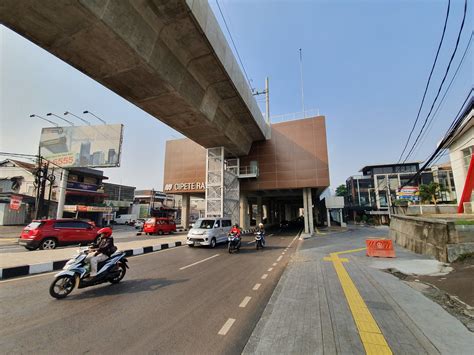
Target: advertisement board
{"points": [[82, 146], [15, 202], [409, 193]]}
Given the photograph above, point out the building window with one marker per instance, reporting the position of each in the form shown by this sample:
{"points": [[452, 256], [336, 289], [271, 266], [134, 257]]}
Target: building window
{"points": [[467, 154]]}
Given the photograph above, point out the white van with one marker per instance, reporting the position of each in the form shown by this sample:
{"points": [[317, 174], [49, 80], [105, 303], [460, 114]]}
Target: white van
{"points": [[125, 219], [209, 231]]}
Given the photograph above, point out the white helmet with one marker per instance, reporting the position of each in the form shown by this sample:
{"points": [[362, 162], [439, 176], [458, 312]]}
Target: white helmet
{"points": [[260, 225]]}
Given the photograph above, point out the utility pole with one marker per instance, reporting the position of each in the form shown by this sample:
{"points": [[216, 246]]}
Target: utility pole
{"points": [[302, 86], [389, 197], [267, 99]]}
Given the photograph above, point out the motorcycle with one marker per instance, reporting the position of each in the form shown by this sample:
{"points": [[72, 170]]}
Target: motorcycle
{"points": [[259, 242], [75, 271], [233, 242]]}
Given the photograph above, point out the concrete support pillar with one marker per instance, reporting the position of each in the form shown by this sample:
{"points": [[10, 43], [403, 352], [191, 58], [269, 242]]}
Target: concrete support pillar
{"points": [[258, 217], [305, 207], [287, 212], [309, 196], [329, 217], [251, 216], [185, 210], [62, 193], [244, 212]]}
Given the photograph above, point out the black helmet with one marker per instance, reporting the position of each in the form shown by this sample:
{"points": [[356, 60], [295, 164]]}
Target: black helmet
{"points": [[236, 225]]}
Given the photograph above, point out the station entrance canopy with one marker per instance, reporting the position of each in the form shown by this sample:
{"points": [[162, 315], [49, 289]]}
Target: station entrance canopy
{"points": [[169, 58]]}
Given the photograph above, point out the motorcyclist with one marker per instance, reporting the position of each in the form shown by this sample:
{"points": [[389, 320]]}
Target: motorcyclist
{"points": [[235, 230], [101, 250], [261, 229]]}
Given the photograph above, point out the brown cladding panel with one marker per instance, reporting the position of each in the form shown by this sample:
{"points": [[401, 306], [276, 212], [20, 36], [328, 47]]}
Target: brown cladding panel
{"points": [[295, 157]]}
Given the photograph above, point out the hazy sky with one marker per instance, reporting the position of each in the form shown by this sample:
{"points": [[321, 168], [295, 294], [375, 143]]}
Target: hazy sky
{"points": [[365, 68]]}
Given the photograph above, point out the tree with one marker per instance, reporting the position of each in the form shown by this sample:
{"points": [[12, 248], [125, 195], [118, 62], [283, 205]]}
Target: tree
{"points": [[430, 192], [341, 190]]}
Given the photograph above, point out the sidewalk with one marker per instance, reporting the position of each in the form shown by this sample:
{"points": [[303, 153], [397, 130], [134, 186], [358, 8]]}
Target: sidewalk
{"points": [[316, 308], [20, 264]]}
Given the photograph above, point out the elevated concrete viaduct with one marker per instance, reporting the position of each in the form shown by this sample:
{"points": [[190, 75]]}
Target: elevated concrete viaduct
{"points": [[168, 57]]}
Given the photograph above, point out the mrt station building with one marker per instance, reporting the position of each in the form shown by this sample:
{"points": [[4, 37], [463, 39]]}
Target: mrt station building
{"points": [[281, 178]]}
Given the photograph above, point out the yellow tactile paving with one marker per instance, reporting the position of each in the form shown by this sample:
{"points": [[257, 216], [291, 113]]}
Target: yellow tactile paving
{"points": [[370, 333]]}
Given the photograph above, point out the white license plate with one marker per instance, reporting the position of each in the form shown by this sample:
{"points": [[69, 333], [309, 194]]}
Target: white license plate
{"points": [[197, 243]]}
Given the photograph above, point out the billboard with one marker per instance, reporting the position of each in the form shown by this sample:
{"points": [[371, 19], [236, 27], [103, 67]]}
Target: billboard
{"points": [[82, 146], [409, 193]]}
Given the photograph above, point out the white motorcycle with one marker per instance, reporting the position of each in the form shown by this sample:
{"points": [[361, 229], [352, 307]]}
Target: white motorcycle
{"points": [[75, 271]]}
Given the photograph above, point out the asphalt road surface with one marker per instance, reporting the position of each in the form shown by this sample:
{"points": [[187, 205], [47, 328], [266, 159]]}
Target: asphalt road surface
{"points": [[178, 301]]}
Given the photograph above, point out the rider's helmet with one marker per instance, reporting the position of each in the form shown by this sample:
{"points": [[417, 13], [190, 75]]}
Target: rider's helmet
{"points": [[236, 225], [105, 232], [260, 225]]}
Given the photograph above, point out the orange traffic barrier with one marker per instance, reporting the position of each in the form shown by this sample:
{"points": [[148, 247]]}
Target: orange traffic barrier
{"points": [[380, 247]]}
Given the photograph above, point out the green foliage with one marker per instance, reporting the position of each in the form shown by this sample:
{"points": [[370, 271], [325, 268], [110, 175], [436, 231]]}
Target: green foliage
{"points": [[400, 202], [430, 193], [464, 222], [364, 218], [341, 190]]}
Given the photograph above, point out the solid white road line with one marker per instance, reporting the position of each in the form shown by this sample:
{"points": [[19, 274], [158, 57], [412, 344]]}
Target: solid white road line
{"points": [[279, 258], [225, 328], [251, 242], [256, 287], [274, 264], [245, 301], [264, 276], [198, 262], [270, 269]]}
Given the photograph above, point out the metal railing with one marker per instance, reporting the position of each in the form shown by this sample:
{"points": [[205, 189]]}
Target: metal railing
{"points": [[248, 171], [294, 115]]}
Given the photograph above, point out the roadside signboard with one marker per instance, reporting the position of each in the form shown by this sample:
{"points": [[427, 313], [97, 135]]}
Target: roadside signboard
{"points": [[409, 193], [82, 146], [15, 202]]}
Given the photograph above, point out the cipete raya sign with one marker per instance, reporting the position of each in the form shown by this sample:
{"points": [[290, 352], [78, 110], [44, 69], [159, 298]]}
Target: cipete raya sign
{"points": [[186, 186]]}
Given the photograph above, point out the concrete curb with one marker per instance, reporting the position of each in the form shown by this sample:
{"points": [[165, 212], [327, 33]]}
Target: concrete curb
{"points": [[24, 270]]}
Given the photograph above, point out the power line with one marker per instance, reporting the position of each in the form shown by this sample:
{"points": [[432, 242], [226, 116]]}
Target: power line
{"points": [[442, 82], [233, 43], [435, 115], [449, 134], [428, 82]]}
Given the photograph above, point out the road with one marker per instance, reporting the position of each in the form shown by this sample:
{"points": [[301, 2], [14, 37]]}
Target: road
{"points": [[179, 301], [121, 233]]}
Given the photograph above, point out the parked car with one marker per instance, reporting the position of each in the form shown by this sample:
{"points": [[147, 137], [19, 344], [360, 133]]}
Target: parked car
{"points": [[128, 219], [51, 233], [159, 225], [209, 231]]}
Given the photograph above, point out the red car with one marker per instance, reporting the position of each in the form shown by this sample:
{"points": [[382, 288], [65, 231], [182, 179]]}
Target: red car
{"points": [[159, 225], [50, 233]]}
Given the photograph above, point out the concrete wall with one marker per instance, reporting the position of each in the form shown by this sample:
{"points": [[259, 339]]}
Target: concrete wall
{"points": [[417, 210], [428, 236]]}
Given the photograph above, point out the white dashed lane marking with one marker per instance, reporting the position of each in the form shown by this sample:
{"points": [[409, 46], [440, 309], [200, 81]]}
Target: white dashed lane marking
{"points": [[274, 264], [264, 276], [225, 328], [245, 301], [270, 269], [198, 262], [279, 258], [256, 287]]}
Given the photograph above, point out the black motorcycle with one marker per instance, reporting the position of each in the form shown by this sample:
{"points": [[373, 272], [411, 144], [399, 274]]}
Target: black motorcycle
{"points": [[233, 242], [259, 241]]}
